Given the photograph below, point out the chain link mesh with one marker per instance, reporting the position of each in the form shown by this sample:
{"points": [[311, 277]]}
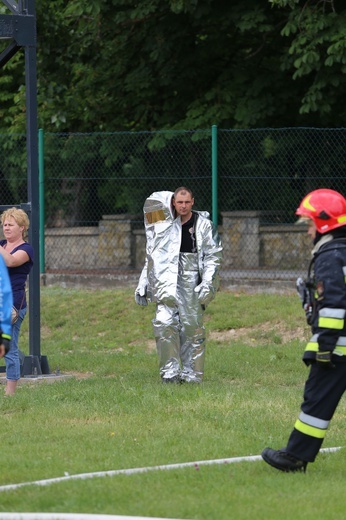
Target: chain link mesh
{"points": [[92, 176], [272, 169]]}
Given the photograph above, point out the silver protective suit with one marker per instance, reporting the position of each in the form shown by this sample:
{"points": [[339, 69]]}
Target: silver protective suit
{"points": [[181, 284]]}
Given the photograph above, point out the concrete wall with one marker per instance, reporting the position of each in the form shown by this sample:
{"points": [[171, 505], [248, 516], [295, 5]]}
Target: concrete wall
{"points": [[285, 247], [118, 242], [110, 245], [249, 244]]}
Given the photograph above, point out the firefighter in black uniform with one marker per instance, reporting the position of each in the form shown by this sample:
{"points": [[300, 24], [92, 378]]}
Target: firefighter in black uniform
{"points": [[324, 302]]}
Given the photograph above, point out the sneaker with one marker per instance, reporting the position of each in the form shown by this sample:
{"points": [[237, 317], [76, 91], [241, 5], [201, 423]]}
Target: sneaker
{"points": [[281, 460]]}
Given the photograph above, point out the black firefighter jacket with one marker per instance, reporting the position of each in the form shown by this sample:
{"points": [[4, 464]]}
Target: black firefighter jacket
{"points": [[328, 276]]}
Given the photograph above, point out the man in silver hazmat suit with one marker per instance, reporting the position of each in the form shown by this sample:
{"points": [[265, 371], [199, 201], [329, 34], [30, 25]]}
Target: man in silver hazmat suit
{"points": [[181, 274]]}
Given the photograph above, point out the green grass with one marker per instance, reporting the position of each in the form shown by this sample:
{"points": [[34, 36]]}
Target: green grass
{"points": [[114, 413]]}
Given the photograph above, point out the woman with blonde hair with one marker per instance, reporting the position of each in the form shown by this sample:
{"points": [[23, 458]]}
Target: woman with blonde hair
{"points": [[19, 258]]}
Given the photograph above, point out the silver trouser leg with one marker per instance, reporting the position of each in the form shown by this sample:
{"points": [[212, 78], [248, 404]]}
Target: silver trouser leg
{"points": [[166, 331], [192, 347], [192, 332]]}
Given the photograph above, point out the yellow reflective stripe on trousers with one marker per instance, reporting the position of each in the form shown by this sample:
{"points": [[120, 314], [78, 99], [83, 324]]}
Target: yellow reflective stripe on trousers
{"points": [[310, 430]]}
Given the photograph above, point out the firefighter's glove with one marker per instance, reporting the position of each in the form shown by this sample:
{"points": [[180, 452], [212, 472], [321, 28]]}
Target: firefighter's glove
{"points": [[205, 294], [5, 347], [324, 359], [302, 291], [304, 295], [308, 314], [141, 296]]}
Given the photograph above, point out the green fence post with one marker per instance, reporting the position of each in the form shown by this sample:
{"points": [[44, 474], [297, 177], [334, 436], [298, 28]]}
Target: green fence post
{"points": [[214, 173], [41, 196]]}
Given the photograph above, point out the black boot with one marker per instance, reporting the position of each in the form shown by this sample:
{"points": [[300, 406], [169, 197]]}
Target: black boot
{"points": [[174, 379], [281, 460]]}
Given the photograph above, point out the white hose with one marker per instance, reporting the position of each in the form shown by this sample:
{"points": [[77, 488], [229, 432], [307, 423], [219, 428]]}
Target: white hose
{"points": [[131, 471], [71, 516]]}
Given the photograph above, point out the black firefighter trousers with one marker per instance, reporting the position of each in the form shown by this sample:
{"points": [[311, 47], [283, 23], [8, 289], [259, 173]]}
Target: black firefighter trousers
{"points": [[322, 393]]}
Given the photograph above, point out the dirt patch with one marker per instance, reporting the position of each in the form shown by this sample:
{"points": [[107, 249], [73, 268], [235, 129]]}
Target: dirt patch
{"points": [[248, 335], [251, 335], [80, 375]]}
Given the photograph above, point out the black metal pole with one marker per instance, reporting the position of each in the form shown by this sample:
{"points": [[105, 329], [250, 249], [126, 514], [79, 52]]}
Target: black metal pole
{"points": [[33, 189], [21, 28]]}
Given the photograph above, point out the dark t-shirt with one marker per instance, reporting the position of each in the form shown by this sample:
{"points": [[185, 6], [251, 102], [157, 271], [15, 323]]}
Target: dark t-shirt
{"points": [[19, 274], [188, 236]]}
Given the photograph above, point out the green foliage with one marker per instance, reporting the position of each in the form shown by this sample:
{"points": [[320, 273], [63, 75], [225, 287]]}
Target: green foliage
{"points": [[180, 64], [316, 53], [13, 169]]}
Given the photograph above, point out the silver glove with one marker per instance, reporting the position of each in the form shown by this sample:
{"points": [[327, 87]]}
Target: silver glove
{"points": [[205, 294], [141, 296]]}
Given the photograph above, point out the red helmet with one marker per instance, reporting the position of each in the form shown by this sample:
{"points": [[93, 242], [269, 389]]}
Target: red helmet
{"points": [[327, 208]]}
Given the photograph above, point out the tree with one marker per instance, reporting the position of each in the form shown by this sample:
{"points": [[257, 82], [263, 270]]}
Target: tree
{"points": [[316, 32], [179, 64]]}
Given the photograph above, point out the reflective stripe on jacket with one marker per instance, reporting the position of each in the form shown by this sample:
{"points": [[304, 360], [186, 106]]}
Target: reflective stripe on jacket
{"points": [[312, 347]]}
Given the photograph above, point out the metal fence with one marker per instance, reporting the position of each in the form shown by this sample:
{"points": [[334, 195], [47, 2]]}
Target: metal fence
{"points": [[88, 176]]}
